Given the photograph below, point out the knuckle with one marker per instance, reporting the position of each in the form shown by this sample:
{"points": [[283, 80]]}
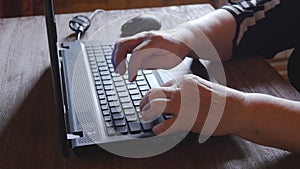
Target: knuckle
{"points": [[120, 41]]}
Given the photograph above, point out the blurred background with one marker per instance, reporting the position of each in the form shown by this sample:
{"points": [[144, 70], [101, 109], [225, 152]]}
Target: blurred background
{"points": [[16, 8]]}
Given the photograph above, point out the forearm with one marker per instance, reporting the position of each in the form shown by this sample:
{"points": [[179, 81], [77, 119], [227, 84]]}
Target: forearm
{"points": [[219, 26], [271, 121]]}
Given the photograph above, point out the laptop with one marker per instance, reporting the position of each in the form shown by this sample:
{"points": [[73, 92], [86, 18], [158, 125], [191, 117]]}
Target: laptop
{"points": [[95, 105]]}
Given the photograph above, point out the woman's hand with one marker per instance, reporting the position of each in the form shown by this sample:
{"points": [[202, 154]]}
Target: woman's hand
{"points": [[149, 50], [191, 100]]}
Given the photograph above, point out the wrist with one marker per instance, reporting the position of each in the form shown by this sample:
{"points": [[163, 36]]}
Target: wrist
{"points": [[196, 40], [232, 119]]}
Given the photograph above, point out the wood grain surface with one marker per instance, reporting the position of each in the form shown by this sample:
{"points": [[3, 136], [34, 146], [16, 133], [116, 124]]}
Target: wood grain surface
{"points": [[28, 118]]}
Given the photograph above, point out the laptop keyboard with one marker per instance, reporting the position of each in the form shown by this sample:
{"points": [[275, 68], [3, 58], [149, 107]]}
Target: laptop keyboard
{"points": [[119, 99]]}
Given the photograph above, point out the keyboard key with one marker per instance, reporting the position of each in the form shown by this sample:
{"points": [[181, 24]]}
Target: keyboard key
{"points": [[107, 82], [136, 97], [97, 82], [117, 116], [103, 73], [122, 129], [103, 101], [110, 131], [144, 88], [110, 65], [120, 122], [105, 113], [94, 70], [104, 107], [137, 108], [110, 92], [125, 76], [101, 63], [114, 75], [108, 124], [102, 68], [100, 90], [134, 127], [127, 105], [114, 103], [141, 83], [129, 111], [97, 78], [131, 117], [107, 118], [140, 77], [116, 109], [134, 91], [117, 79], [109, 87], [106, 77], [112, 98], [136, 103], [92, 63], [147, 126], [123, 94], [121, 89], [121, 83], [131, 86], [101, 96], [96, 74], [125, 99]]}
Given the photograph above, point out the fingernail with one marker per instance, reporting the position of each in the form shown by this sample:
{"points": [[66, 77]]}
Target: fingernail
{"points": [[132, 78]]}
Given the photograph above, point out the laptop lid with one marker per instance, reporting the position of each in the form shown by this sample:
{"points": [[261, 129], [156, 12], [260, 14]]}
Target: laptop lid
{"points": [[56, 72]]}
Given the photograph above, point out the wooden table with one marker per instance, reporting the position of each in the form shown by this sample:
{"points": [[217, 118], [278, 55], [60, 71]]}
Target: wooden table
{"points": [[28, 120]]}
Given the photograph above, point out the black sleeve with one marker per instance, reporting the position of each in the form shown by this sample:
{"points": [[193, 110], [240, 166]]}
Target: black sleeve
{"points": [[265, 27]]}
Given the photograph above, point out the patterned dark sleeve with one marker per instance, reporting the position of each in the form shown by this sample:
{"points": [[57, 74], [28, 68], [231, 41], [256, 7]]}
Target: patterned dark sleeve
{"points": [[265, 27]]}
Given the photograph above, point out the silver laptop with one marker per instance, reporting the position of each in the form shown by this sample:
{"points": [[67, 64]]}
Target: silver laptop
{"points": [[95, 105]]}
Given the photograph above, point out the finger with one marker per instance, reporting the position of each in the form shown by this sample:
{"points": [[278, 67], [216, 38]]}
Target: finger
{"points": [[122, 47], [170, 83], [162, 92], [204, 86], [165, 127], [139, 55], [159, 106]]}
